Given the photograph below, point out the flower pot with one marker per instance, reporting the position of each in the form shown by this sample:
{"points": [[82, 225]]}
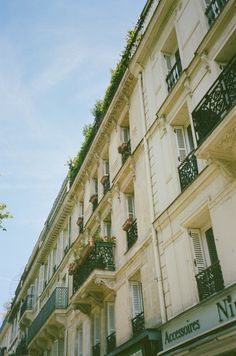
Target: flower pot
{"points": [[93, 199], [123, 147], [104, 179]]}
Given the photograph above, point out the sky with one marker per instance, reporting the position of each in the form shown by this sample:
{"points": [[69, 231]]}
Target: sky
{"points": [[55, 62]]}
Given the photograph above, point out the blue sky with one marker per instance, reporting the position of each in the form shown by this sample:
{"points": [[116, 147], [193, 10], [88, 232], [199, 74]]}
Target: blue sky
{"points": [[55, 61]]}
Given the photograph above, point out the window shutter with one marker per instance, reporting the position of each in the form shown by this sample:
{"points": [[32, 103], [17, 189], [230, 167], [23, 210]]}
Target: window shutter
{"points": [[107, 228], [55, 348], [69, 231], [96, 329], [61, 347], [81, 209], [168, 62], [199, 259], [211, 246], [79, 342], [110, 318], [190, 138], [130, 205], [137, 303], [125, 134], [106, 168], [181, 143], [41, 279]]}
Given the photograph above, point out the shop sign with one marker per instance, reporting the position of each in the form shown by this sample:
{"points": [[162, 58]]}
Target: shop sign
{"points": [[199, 320]]}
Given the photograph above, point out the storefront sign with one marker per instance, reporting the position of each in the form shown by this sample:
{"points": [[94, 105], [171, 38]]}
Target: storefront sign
{"points": [[200, 319]]}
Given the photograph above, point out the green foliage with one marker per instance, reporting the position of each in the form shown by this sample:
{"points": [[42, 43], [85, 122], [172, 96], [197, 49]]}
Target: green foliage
{"points": [[3, 215], [101, 106]]}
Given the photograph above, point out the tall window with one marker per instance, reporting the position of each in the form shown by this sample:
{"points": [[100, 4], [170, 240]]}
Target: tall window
{"points": [[110, 318], [79, 342], [204, 248], [137, 300], [130, 206], [124, 134], [96, 329], [184, 141]]}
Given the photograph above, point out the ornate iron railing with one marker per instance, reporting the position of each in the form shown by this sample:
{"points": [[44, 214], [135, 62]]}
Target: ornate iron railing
{"points": [[21, 348], [173, 76], [210, 281], [132, 234], [138, 324], [214, 9], [111, 342], [96, 349], [126, 153], [101, 257], [188, 170], [216, 103], [27, 304], [57, 300], [106, 185]]}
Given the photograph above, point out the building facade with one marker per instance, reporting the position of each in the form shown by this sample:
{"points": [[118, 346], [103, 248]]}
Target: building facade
{"points": [[137, 256]]}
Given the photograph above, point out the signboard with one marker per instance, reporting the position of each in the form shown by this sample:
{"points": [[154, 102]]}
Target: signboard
{"points": [[200, 319]]}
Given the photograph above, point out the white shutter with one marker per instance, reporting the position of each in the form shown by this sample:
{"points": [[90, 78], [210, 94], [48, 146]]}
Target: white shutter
{"points": [[81, 209], [168, 62], [110, 318], [41, 279], [124, 134], [106, 168], [69, 231], [79, 343], [197, 247], [137, 303], [96, 325], [107, 229], [130, 206], [55, 348], [181, 143], [61, 347]]}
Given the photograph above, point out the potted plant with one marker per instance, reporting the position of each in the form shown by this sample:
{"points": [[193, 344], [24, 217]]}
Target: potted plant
{"points": [[123, 147]]}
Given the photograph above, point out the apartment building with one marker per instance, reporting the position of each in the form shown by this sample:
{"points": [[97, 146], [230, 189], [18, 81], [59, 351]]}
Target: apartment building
{"points": [[137, 256]]}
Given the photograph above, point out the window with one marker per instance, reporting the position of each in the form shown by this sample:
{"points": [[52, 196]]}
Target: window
{"points": [[79, 342], [81, 209], [96, 329], [41, 279], [208, 272], [184, 141], [130, 206], [95, 186], [107, 229], [137, 300], [106, 168], [110, 318], [124, 134], [204, 248]]}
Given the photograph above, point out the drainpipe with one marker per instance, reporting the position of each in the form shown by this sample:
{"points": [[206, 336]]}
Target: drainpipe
{"points": [[151, 204]]}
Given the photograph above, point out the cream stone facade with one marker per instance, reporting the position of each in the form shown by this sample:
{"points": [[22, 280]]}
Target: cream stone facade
{"points": [[137, 256]]}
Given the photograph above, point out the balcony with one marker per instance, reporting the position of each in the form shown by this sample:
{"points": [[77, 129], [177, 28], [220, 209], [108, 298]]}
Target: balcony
{"points": [[26, 307], [216, 104], [111, 342], [138, 324], [214, 9], [173, 75], [100, 256], [125, 150], [57, 301], [210, 281], [96, 349], [132, 234], [21, 348], [188, 171]]}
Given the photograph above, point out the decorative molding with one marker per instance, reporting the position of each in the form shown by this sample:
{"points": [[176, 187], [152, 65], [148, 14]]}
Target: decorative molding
{"points": [[110, 284], [205, 60]]}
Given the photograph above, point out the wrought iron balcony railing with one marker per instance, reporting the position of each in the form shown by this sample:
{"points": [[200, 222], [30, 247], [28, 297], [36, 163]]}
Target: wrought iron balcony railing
{"points": [[27, 304], [217, 102], [21, 348], [138, 324], [106, 185], [96, 349], [132, 234], [210, 281], [57, 300], [101, 257], [173, 75], [126, 153], [188, 170], [111, 342], [214, 9]]}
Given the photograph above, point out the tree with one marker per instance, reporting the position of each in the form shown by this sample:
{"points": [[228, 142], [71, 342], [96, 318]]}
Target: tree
{"points": [[3, 215]]}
